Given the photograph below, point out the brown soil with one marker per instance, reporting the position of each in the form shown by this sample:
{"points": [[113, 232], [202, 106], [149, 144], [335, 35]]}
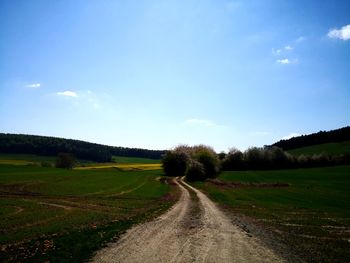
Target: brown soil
{"points": [[222, 184]]}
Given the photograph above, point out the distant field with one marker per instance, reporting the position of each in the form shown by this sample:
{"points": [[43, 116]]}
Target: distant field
{"points": [[123, 166], [27, 159], [309, 208], [329, 148], [24, 159], [122, 159], [69, 213], [125, 163]]}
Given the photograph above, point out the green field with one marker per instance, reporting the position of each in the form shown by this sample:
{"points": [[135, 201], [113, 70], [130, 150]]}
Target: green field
{"points": [[32, 159], [25, 159], [328, 148], [125, 163], [308, 208], [49, 213], [122, 159]]}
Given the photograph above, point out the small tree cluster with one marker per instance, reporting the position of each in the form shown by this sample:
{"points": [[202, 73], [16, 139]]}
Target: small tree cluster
{"points": [[65, 160], [175, 163], [196, 163], [268, 158]]}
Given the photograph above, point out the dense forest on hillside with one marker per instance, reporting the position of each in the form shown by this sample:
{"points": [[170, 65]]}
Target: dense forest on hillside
{"points": [[43, 145], [339, 135]]}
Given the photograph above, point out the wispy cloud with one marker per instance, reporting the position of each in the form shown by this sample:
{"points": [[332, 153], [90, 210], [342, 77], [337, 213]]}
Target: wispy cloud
{"points": [[201, 122], [68, 93], [284, 61], [82, 98], [276, 51], [291, 135], [33, 85], [280, 51], [343, 33], [300, 39]]}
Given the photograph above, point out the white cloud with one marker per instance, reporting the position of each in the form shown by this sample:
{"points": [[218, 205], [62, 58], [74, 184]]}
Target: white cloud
{"points": [[287, 61], [284, 61], [33, 85], [68, 93], [291, 135], [82, 98], [300, 39], [201, 122], [342, 33], [276, 51], [279, 51]]}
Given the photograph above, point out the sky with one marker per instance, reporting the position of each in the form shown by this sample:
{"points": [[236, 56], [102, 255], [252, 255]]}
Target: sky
{"points": [[155, 74]]}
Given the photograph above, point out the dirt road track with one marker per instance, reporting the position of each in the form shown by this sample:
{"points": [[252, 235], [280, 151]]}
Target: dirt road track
{"points": [[191, 231]]}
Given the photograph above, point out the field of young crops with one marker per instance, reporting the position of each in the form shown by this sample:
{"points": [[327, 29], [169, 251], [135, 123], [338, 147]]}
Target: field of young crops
{"points": [[50, 213], [307, 208]]}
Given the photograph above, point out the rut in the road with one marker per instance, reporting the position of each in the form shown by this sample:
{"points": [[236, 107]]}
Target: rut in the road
{"points": [[180, 235]]}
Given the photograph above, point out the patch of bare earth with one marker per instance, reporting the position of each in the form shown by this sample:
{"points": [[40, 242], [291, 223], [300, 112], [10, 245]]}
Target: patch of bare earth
{"points": [[193, 230], [229, 185]]}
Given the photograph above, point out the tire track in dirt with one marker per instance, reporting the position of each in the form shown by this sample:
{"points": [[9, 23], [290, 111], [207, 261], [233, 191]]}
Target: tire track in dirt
{"points": [[185, 235]]}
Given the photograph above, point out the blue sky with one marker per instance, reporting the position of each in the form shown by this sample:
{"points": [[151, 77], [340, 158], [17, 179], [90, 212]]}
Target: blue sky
{"points": [[153, 74]]}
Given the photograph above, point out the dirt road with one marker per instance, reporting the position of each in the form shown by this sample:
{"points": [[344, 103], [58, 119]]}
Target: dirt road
{"points": [[193, 230]]}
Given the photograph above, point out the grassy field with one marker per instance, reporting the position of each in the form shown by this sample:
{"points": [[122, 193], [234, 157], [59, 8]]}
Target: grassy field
{"points": [[123, 166], [25, 159], [329, 148], [117, 161], [50, 214], [124, 163], [129, 160], [308, 208]]}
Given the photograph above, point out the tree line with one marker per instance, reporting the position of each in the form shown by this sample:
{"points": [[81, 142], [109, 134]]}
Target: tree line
{"points": [[272, 157], [51, 146], [202, 162], [338, 135], [198, 163]]}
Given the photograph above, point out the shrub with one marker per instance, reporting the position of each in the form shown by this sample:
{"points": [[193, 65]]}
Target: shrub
{"points": [[208, 158], [175, 163], [222, 156], [195, 171], [234, 160], [255, 158], [196, 163], [45, 164], [279, 158], [65, 160]]}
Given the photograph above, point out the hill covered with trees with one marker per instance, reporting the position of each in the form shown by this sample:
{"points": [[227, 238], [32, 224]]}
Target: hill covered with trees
{"points": [[321, 137], [51, 146]]}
